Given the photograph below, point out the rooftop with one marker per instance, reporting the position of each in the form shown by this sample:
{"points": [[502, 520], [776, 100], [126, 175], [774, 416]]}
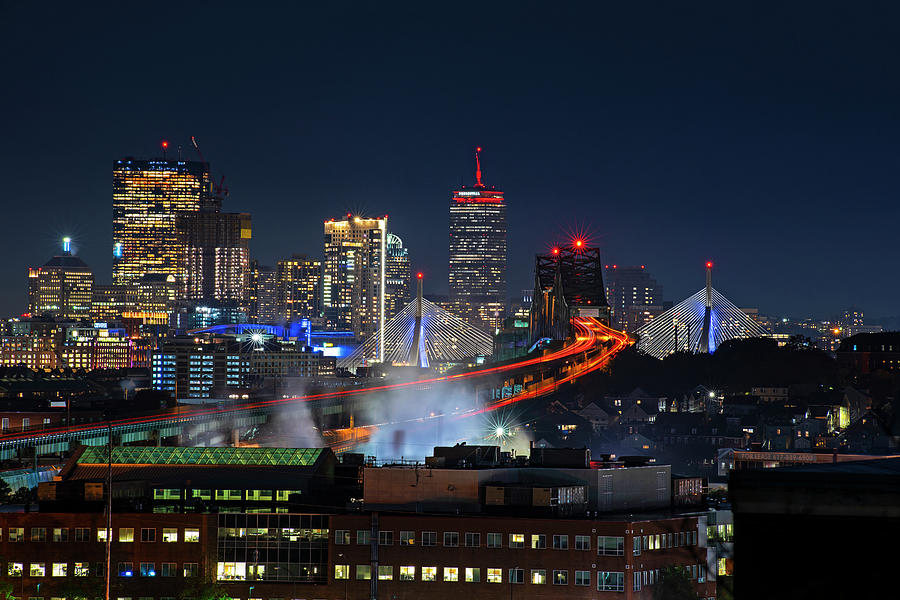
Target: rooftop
{"points": [[275, 457]]}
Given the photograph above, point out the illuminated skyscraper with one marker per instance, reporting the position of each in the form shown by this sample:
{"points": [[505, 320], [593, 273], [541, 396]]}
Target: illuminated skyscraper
{"points": [[263, 308], [478, 253], [216, 249], [298, 288], [354, 274], [633, 295], [147, 196], [396, 277], [62, 288]]}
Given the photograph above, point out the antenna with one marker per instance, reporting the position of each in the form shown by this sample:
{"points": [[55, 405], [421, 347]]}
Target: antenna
{"points": [[478, 168]]}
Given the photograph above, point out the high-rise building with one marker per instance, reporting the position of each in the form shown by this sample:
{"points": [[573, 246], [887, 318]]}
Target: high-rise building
{"points": [[261, 294], [298, 288], [109, 302], [354, 273], [478, 252], [147, 197], [62, 287], [397, 276], [216, 249], [633, 295]]}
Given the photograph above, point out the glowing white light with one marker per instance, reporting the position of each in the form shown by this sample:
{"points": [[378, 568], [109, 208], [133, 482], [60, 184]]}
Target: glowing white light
{"points": [[256, 337], [498, 432]]}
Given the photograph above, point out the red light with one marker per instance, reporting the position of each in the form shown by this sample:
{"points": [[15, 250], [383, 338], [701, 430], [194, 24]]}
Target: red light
{"points": [[165, 144], [642, 266], [556, 251], [579, 243], [419, 275], [478, 149], [709, 264]]}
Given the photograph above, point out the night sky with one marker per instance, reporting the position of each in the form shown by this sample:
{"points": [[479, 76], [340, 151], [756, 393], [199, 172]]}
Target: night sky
{"points": [[762, 137]]}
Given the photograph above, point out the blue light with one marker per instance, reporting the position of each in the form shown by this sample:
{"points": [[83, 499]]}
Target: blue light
{"points": [[117, 250]]}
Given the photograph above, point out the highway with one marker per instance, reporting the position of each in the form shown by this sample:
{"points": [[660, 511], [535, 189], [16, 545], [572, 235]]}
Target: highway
{"points": [[594, 345]]}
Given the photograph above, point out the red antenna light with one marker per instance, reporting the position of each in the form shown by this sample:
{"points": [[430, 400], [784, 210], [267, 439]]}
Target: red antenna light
{"points": [[478, 168], [419, 275], [165, 145], [709, 264], [555, 250], [579, 243]]}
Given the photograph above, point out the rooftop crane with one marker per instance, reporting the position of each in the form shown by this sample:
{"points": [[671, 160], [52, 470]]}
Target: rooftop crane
{"points": [[220, 188]]}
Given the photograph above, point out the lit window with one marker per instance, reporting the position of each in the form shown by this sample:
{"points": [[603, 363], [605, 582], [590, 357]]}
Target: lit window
{"points": [[126, 534], [517, 540], [169, 535], [451, 574], [429, 573], [192, 535], [385, 572], [538, 542], [560, 578], [363, 572], [407, 573], [342, 571], [60, 569], [148, 569], [81, 569], [473, 575], [407, 538], [14, 569], [495, 575], [538, 576], [126, 569], [37, 570]]}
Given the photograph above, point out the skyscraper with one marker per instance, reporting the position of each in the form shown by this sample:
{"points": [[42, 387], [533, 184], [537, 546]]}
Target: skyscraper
{"points": [[261, 294], [298, 288], [354, 274], [634, 296], [216, 249], [62, 288], [478, 252], [147, 196], [397, 276]]}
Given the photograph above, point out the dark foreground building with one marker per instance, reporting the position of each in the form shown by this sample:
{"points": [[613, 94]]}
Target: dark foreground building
{"points": [[817, 531], [190, 522]]}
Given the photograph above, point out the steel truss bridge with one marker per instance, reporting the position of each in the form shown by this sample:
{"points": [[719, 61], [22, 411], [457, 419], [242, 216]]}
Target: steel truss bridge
{"points": [[590, 348]]}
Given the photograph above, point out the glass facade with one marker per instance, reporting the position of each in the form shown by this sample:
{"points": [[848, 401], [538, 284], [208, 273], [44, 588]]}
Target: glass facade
{"points": [[397, 277], [272, 547]]}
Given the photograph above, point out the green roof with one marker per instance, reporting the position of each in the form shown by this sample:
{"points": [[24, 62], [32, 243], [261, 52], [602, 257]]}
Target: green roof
{"points": [[143, 455]]}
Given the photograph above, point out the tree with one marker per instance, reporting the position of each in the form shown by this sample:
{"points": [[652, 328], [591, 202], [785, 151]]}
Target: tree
{"points": [[6, 589], [21, 496], [674, 584], [197, 588], [5, 491]]}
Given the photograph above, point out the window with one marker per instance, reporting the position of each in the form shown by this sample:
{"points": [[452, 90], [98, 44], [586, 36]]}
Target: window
{"points": [[610, 545], [259, 495], [191, 569], [494, 540], [14, 569], [363, 572], [166, 494], [202, 494], [126, 534], [342, 571], [60, 569], [229, 495], [17, 534], [451, 539], [285, 495], [517, 575], [636, 546], [701, 575], [473, 575], [100, 569], [582, 542], [81, 569], [102, 534], [407, 573], [341, 537], [429, 538], [60, 534], [385, 538], [192, 535], [38, 534], [560, 542], [582, 578], [636, 585], [451, 574], [538, 576], [126, 569], [148, 535], [517, 540], [407, 538], [362, 537], [148, 569], [37, 570], [495, 575], [82, 534], [170, 534], [168, 569], [429, 573], [560, 578], [473, 540], [538, 542], [610, 581]]}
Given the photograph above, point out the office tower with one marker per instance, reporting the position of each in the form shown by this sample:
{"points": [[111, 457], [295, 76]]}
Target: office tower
{"points": [[62, 287], [478, 252], [298, 288], [633, 295], [109, 302], [353, 277], [261, 294], [216, 250], [396, 276], [147, 196]]}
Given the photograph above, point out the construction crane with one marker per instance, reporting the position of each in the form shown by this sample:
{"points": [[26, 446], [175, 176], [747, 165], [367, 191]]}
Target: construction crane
{"points": [[220, 188]]}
